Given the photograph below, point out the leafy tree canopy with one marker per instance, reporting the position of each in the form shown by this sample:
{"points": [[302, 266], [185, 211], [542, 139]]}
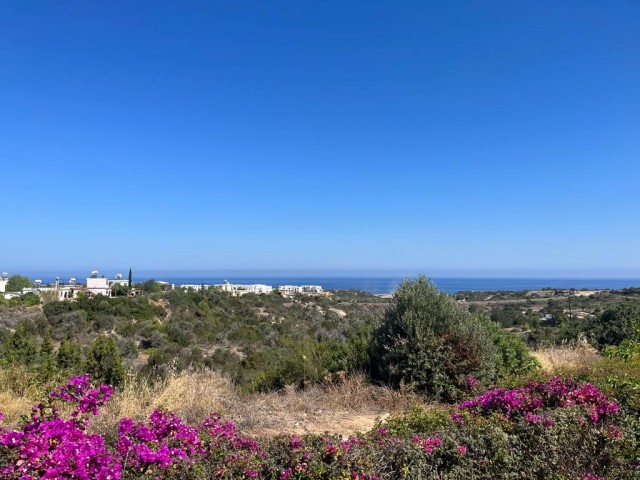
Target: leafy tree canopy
{"points": [[428, 340], [150, 286], [615, 324], [17, 282]]}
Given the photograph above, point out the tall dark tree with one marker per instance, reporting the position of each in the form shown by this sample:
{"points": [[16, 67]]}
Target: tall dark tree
{"points": [[129, 278]]}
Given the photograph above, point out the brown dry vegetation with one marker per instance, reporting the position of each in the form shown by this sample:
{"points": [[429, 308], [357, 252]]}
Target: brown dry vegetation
{"points": [[568, 356], [344, 407]]}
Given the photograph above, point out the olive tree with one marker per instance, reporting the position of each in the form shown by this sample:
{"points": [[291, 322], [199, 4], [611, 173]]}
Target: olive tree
{"points": [[615, 324], [426, 339], [17, 282]]}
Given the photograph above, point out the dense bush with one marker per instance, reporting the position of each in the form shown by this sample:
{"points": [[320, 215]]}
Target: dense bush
{"points": [[615, 324], [428, 340], [512, 354], [104, 362]]}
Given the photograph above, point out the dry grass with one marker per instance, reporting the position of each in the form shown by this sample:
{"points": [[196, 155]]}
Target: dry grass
{"points": [[13, 406], [351, 405], [567, 356]]}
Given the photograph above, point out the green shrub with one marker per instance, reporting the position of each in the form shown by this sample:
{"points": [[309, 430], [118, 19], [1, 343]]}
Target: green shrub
{"points": [[104, 362], [512, 354], [419, 419], [615, 324], [428, 340]]}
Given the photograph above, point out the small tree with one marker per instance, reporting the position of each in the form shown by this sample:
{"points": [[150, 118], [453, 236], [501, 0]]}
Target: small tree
{"points": [[150, 286], [47, 367], [104, 362], [119, 290], [21, 349], [69, 356], [49, 296], [17, 282], [615, 324], [428, 340]]}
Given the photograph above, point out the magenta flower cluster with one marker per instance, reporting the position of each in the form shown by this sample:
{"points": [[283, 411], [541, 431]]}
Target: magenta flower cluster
{"points": [[50, 447], [79, 390], [160, 443], [534, 397], [428, 444]]}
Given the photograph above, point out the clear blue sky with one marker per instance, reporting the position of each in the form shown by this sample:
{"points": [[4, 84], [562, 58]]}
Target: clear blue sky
{"points": [[442, 137]]}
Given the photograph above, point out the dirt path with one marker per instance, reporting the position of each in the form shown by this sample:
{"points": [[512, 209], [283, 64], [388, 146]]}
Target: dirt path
{"points": [[340, 423]]}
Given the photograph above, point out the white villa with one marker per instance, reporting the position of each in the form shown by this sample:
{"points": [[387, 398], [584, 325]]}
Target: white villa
{"points": [[98, 286], [119, 281], [238, 290], [62, 292], [194, 286], [292, 289]]}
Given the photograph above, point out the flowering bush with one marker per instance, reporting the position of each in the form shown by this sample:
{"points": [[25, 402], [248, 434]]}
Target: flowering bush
{"points": [[161, 443], [537, 396], [48, 446], [553, 429]]}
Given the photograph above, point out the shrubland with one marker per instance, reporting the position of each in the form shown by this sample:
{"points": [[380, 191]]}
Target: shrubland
{"points": [[559, 427], [261, 342], [466, 396]]}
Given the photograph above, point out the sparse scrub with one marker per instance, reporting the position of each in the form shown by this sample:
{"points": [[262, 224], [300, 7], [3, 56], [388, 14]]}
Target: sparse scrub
{"points": [[295, 366]]}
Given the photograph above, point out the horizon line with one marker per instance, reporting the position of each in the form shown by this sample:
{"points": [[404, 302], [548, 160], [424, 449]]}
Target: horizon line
{"points": [[352, 272]]}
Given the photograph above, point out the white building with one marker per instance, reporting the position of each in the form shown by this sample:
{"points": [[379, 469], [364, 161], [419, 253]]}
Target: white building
{"points": [[258, 289], [63, 292], [98, 286], [193, 286], [311, 289], [290, 289], [119, 281], [3, 282], [293, 289], [238, 290]]}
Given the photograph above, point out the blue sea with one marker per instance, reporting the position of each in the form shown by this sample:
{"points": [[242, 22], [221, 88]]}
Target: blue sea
{"points": [[372, 284], [385, 285]]}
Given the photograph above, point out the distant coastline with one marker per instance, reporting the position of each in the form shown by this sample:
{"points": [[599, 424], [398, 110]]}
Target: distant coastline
{"points": [[373, 284]]}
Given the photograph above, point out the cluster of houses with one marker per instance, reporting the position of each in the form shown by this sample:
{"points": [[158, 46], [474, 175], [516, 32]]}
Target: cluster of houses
{"points": [[259, 289], [99, 285], [60, 290]]}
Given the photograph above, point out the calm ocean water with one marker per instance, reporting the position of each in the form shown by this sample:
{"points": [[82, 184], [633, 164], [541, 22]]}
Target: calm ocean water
{"points": [[380, 285], [375, 284]]}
